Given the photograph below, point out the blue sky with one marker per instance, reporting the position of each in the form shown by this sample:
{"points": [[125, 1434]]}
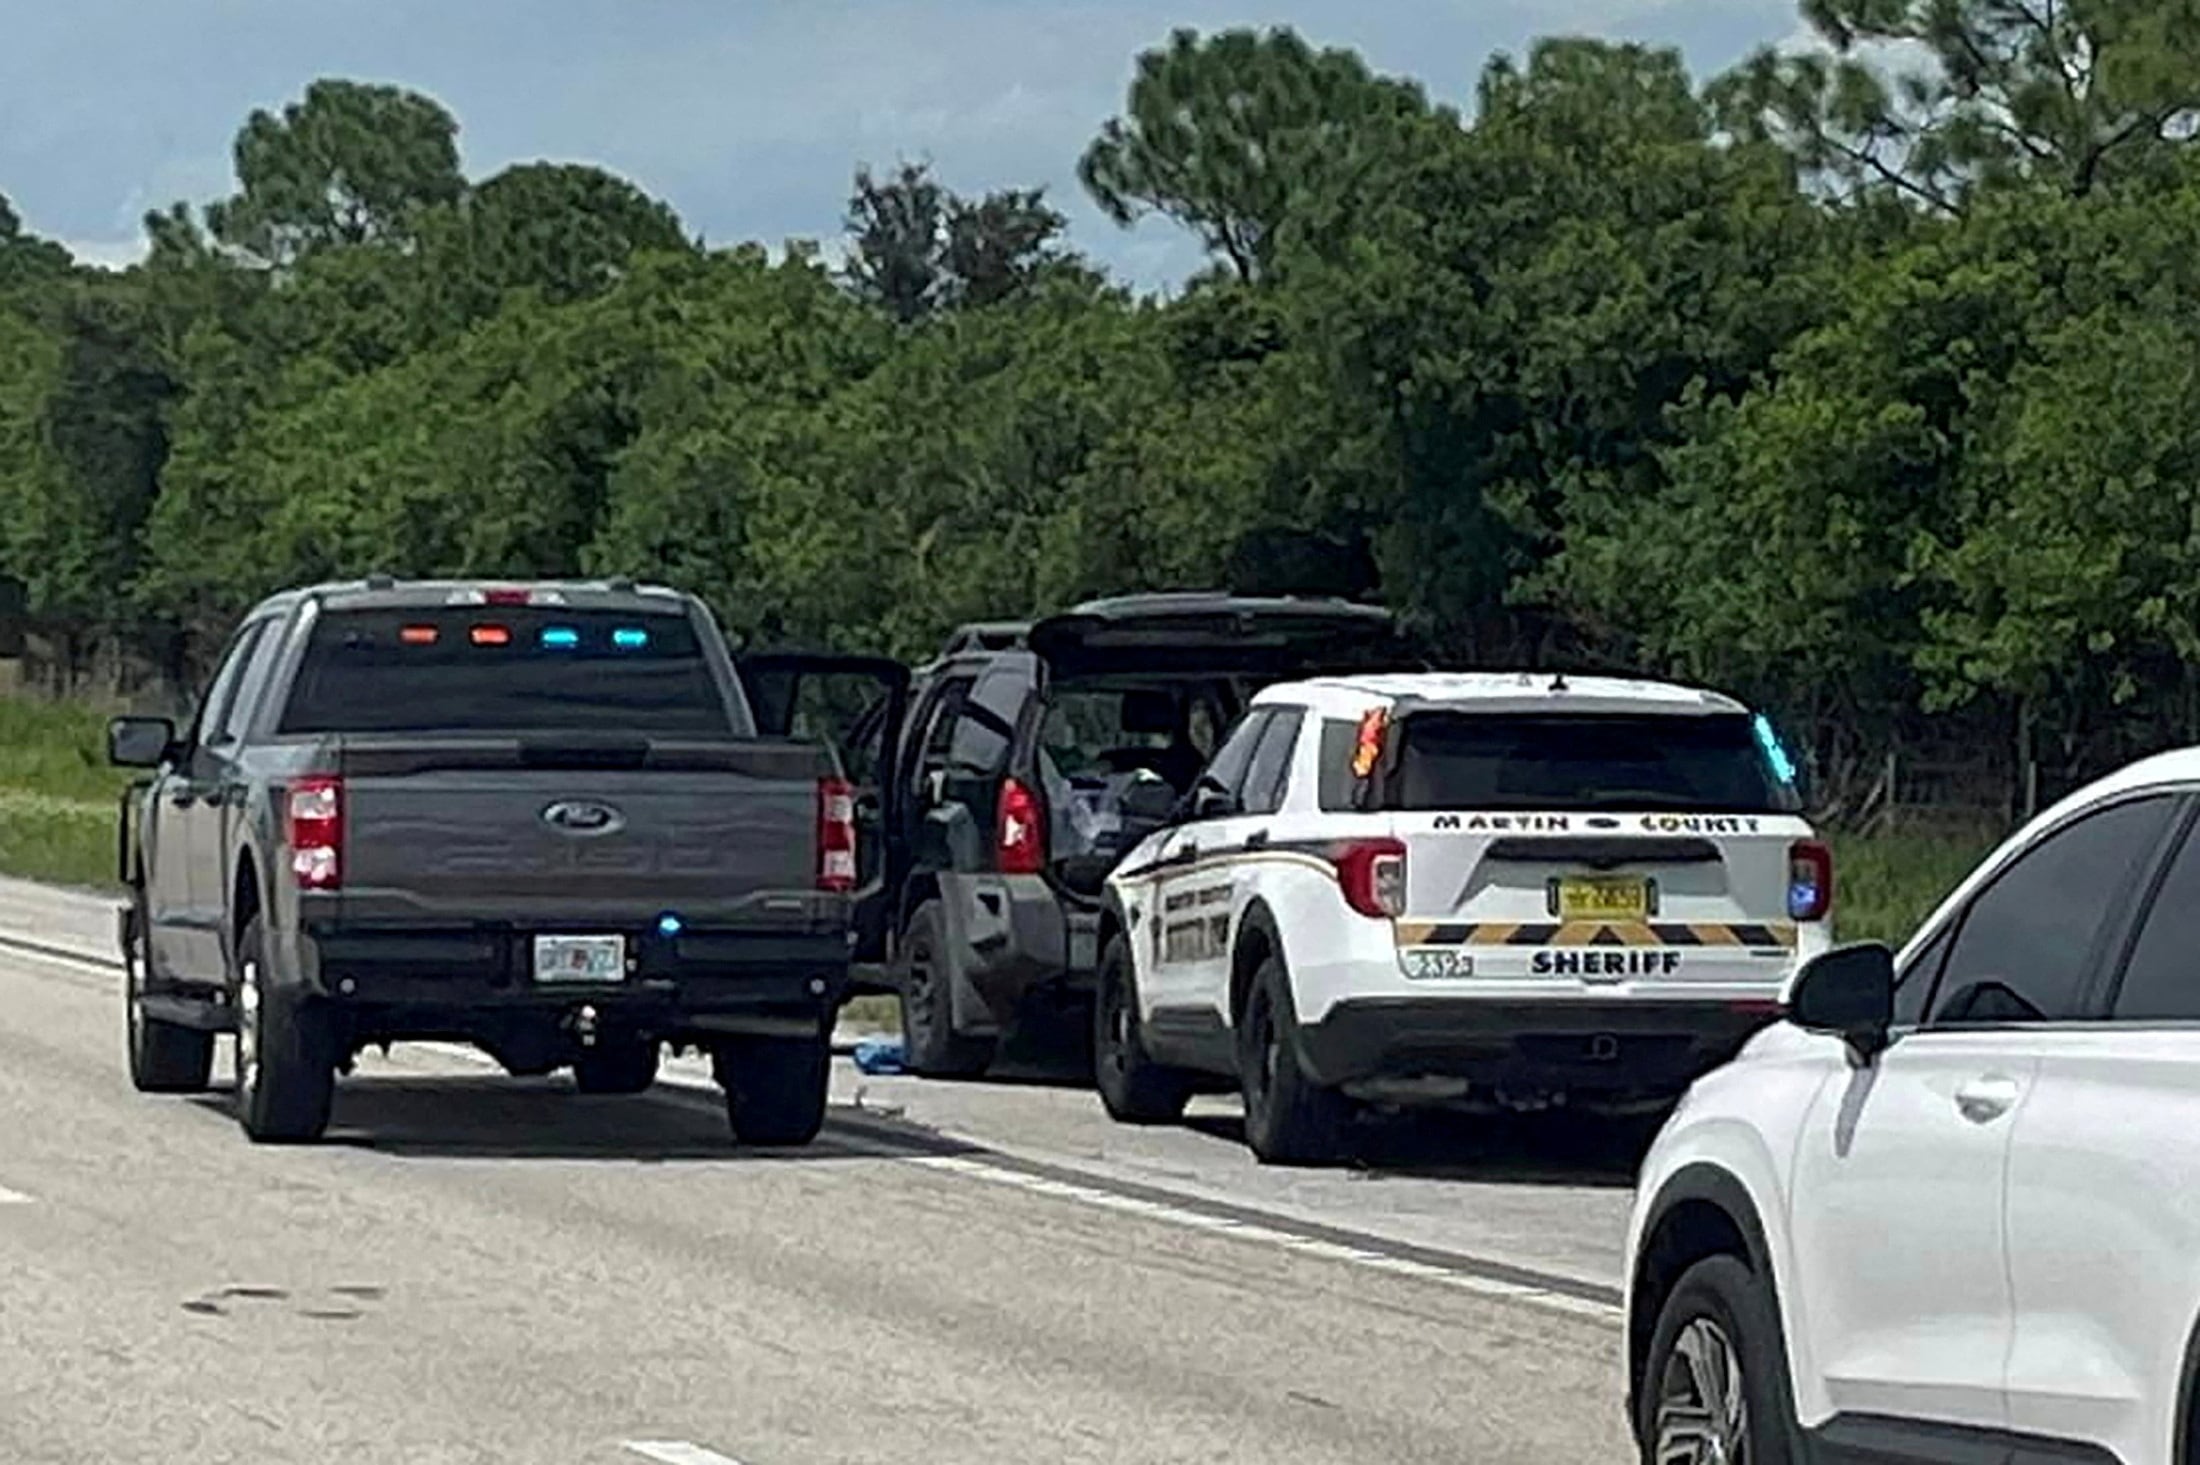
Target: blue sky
{"points": [[748, 116]]}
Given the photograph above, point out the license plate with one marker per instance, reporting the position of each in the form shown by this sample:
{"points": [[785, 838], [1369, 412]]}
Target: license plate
{"points": [[1434, 962], [580, 958], [1603, 898]]}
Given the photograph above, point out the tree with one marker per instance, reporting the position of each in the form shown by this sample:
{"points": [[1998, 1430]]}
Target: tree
{"points": [[1932, 98], [999, 246], [916, 248], [350, 164], [566, 229], [25, 259], [1223, 135]]}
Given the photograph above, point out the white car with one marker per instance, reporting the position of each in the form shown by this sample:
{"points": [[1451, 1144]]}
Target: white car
{"points": [[1488, 889], [1951, 1210]]}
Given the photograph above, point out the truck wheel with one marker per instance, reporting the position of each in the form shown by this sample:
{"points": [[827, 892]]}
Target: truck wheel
{"points": [[1134, 1088], [286, 1061], [775, 1087], [164, 1058], [1289, 1119], [616, 1068], [930, 1043]]}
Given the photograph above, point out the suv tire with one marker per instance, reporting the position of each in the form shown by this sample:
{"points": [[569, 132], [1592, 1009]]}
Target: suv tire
{"points": [[616, 1067], [1134, 1088], [1722, 1317], [930, 1044], [1289, 1119], [775, 1087], [286, 1061], [165, 1058]]}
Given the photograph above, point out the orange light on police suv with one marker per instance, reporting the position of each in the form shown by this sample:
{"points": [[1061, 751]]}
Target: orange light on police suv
{"points": [[1367, 750], [492, 636]]}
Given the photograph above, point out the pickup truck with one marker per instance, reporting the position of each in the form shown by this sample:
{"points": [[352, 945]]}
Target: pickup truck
{"points": [[533, 818]]}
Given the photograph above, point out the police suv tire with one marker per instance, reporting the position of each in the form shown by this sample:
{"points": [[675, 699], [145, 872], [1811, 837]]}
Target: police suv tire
{"points": [[1289, 1119], [1133, 1088], [1721, 1299], [286, 1060], [628, 1067], [775, 1087], [164, 1058], [930, 1044]]}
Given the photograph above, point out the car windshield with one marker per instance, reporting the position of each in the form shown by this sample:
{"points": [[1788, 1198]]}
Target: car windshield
{"points": [[1624, 762], [479, 669]]}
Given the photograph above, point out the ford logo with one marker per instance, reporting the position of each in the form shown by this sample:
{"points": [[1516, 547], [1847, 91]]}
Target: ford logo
{"points": [[580, 816]]}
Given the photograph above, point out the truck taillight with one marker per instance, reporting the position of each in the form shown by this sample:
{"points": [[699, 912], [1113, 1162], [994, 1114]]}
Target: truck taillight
{"points": [[836, 835], [316, 818], [1022, 836], [1373, 874], [1810, 881]]}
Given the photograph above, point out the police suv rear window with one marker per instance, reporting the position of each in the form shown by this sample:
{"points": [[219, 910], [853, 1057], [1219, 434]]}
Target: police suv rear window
{"points": [[1540, 761], [468, 669]]}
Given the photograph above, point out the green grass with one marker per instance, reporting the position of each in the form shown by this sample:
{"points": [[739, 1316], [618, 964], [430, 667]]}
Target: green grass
{"points": [[57, 794], [1885, 884]]}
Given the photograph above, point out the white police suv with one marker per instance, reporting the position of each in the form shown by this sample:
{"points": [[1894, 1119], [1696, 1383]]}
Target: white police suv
{"points": [[1505, 890], [1950, 1210]]}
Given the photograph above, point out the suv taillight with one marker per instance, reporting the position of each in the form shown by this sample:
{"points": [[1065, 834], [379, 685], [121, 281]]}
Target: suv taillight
{"points": [[1373, 874], [836, 835], [1810, 881], [316, 817], [1022, 836]]}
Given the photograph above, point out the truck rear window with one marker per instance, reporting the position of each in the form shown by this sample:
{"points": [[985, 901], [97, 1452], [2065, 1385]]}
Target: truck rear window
{"points": [[468, 669], [1613, 763]]}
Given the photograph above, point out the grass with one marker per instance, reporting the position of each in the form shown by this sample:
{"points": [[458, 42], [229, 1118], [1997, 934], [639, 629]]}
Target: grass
{"points": [[57, 794], [1885, 884]]}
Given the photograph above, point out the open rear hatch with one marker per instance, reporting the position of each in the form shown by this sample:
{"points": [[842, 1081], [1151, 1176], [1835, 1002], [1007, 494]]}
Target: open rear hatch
{"points": [[1270, 638]]}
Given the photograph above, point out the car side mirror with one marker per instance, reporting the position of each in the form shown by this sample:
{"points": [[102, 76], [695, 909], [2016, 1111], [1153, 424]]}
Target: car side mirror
{"points": [[1210, 802], [1848, 993], [140, 742], [1149, 801]]}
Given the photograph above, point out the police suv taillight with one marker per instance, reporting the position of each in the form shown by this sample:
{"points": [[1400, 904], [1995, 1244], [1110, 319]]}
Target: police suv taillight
{"points": [[315, 815], [836, 836], [1021, 838], [1372, 873], [1810, 881]]}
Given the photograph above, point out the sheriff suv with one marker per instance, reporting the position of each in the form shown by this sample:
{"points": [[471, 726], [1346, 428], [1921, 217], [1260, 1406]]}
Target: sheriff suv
{"points": [[1950, 1210], [1495, 891]]}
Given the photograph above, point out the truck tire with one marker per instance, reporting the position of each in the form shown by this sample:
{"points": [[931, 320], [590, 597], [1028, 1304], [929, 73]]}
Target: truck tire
{"points": [[1289, 1119], [286, 1060], [775, 1087], [164, 1057], [616, 1068], [930, 1044], [1133, 1088]]}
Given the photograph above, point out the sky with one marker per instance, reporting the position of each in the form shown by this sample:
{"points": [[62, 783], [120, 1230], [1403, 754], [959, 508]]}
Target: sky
{"points": [[748, 116]]}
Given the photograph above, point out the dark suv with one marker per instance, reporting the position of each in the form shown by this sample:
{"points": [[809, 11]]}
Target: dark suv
{"points": [[994, 781]]}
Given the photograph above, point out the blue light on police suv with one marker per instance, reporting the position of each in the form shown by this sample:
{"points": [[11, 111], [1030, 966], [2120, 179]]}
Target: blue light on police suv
{"points": [[560, 638], [1783, 766], [630, 638], [1802, 899], [670, 925]]}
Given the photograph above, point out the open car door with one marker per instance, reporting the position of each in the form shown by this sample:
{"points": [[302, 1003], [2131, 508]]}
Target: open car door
{"points": [[855, 704]]}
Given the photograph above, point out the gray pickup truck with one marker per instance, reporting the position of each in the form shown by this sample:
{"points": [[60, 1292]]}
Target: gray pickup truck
{"points": [[536, 819]]}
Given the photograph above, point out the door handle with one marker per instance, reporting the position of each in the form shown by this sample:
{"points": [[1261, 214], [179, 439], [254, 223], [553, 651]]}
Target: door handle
{"points": [[1987, 1098]]}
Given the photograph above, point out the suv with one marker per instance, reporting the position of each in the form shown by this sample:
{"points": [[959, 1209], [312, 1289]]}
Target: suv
{"points": [[992, 783], [1481, 890], [536, 817], [1951, 1210]]}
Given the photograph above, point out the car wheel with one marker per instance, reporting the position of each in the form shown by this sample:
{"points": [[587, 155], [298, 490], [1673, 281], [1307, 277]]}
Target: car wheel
{"points": [[775, 1087], [930, 1044], [1289, 1119], [164, 1058], [616, 1068], [1134, 1088], [1715, 1386], [286, 1063]]}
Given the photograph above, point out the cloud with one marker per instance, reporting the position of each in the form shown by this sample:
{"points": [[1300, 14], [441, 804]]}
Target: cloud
{"points": [[107, 254]]}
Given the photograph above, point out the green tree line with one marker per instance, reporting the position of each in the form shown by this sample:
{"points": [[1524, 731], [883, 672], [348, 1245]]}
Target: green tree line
{"points": [[1863, 380]]}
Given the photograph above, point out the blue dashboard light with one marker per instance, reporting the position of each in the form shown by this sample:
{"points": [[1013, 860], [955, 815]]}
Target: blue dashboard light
{"points": [[670, 925], [1783, 766], [630, 638], [560, 638]]}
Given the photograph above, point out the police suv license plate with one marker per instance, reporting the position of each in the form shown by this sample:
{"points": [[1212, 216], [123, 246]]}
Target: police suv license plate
{"points": [[1430, 963], [1602, 898], [580, 959]]}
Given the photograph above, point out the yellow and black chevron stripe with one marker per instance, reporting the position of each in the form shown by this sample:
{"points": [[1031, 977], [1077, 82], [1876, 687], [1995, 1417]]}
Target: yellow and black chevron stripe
{"points": [[1740, 935]]}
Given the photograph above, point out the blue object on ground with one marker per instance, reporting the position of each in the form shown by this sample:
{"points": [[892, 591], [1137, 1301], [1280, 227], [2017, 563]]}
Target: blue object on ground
{"points": [[880, 1055]]}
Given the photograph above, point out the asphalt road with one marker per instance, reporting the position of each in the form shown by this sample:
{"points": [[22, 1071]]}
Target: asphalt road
{"points": [[482, 1269]]}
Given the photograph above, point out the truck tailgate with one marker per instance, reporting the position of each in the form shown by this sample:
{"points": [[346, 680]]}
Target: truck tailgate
{"points": [[478, 831]]}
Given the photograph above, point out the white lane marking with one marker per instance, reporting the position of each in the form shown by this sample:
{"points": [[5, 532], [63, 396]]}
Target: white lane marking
{"points": [[13, 1197], [1312, 1246], [678, 1452]]}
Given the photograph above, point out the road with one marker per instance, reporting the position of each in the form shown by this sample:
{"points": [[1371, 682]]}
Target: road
{"points": [[482, 1269]]}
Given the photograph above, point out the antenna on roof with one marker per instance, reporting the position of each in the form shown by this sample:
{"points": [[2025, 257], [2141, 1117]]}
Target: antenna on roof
{"points": [[1558, 681]]}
